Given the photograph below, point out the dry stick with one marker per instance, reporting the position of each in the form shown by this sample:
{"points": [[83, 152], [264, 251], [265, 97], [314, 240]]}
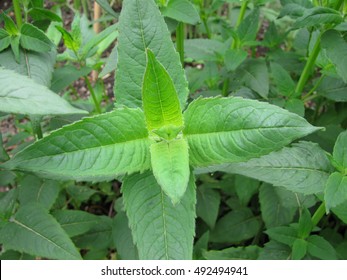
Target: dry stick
{"points": [[97, 28]]}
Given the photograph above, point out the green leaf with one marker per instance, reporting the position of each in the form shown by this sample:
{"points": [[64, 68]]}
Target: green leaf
{"points": [[207, 207], [305, 224], [3, 155], [273, 212], [333, 89], [122, 238], [33, 231], [97, 148], [37, 66], [10, 26], [336, 50], [170, 165], [5, 40], [221, 130], [318, 247], [341, 212], [318, 15], [282, 80], [160, 229], [274, 250], [182, 11], [21, 95], [98, 237], [106, 6], [340, 150], [7, 204], [34, 39], [296, 106], [336, 190], [15, 48], [303, 168], [39, 14], [299, 249], [204, 49], [111, 63], [285, 235], [141, 26], [233, 253], [245, 188], [32, 189], [248, 29], [160, 100], [254, 74], [236, 226], [66, 75], [75, 222], [69, 41], [234, 58]]}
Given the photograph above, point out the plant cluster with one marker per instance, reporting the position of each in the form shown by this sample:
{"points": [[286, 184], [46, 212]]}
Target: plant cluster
{"points": [[230, 145]]}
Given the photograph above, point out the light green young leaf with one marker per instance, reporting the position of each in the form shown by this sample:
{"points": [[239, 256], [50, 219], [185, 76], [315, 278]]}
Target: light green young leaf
{"points": [[5, 39], [160, 229], [38, 233], [181, 10], [233, 253], [299, 249], [21, 95], [69, 40], [75, 222], [170, 165], [33, 189], [34, 39], [236, 226], [10, 26], [340, 150], [284, 235], [37, 66], [318, 247], [111, 63], [336, 50], [96, 148], [159, 97], [225, 130], [318, 15], [335, 191], [303, 168], [15, 48], [273, 212], [141, 26]]}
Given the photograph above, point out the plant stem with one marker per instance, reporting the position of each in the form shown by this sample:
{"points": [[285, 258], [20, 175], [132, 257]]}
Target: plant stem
{"points": [[17, 12], [308, 95], [318, 215], [239, 20], [180, 35], [90, 88], [308, 67], [225, 87]]}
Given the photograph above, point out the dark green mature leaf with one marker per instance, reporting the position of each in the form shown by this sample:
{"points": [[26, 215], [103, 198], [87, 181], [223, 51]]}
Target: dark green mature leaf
{"points": [[96, 148], [341, 212], [318, 15], [123, 239], [285, 235], [35, 232], [248, 29], [7, 204], [142, 26], [204, 49], [233, 253], [221, 130], [39, 14], [333, 89], [111, 63], [37, 66], [254, 74], [75, 222], [5, 39], [336, 50], [274, 250], [106, 6], [299, 249], [305, 224], [336, 190], [282, 80], [34, 39], [33, 189], [340, 150], [236, 226], [233, 58], [245, 188], [181, 10], [207, 206], [3, 155], [303, 168], [273, 212], [318, 247], [160, 229], [98, 237], [21, 95]]}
